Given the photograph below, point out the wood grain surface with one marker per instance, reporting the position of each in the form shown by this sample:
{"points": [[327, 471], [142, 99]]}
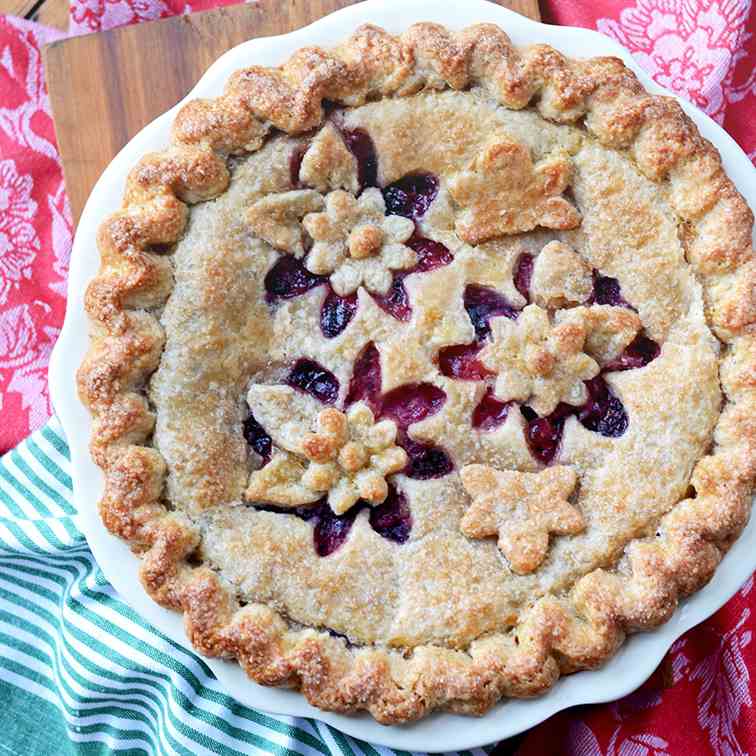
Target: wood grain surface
{"points": [[105, 87]]}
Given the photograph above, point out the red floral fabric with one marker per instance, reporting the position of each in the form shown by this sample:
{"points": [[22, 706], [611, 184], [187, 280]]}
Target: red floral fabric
{"points": [[700, 699]]}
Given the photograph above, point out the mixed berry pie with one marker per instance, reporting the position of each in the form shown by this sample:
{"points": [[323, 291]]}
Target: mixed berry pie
{"points": [[423, 369]]}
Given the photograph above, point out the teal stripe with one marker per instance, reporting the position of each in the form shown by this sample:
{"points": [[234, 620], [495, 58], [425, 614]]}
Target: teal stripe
{"points": [[56, 441], [63, 478], [25, 493]]}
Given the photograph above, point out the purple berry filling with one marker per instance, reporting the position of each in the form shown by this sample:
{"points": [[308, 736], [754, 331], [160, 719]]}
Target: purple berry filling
{"points": [[257, 438], [336, 313], [523, 274], [482, 304], [289, 278], [360, 144], [411, 195], [311, 378]]}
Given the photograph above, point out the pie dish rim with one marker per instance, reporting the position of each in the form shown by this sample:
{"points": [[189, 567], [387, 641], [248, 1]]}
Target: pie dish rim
{"points": [[369, 11]]}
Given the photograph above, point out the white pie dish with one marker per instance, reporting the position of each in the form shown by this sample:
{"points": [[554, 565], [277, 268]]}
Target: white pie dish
{"points": [[635, 661]]}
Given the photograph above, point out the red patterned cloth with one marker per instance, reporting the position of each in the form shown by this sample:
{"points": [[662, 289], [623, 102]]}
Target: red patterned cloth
{"points": [[699, 700]]}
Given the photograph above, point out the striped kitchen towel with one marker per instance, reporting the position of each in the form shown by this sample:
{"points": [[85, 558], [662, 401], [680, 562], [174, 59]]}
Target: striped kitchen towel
{"points": [[80, 672]]}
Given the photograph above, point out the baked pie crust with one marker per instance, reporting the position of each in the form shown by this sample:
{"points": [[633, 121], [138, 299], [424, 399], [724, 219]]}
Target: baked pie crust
{"points": [[423, 369]]}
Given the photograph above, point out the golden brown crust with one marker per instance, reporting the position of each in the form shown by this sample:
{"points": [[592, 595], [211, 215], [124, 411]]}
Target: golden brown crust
{"points": [[557, 634]]}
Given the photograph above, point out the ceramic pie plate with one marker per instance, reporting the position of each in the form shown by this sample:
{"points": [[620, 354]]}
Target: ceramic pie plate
{"points": [[637, 658]]}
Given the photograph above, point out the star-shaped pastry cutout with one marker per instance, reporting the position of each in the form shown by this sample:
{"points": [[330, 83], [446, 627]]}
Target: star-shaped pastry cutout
{"points": [[523, 509], [503, 192]]}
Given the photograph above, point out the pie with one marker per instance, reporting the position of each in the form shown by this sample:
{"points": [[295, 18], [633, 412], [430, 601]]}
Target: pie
{"points": [[423, 370]]}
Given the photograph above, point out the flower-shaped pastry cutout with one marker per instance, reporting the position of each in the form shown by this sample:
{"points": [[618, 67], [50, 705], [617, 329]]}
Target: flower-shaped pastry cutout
{"points": [[276, 218], [523, 509], [346, 455], [357, 244], [537, 362], [503, 192], [560, 277]]}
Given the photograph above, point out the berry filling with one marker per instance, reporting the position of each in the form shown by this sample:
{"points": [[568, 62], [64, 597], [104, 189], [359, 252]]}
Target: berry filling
{"points": [[395, 301], [360, 144], [336, 313], [603, 412], [637, 354], [289, 278], [331, 530], [365, 385], [257, 438], [461, 362], [405, 405], [522, 275], [391, 520], [411, 195], [412, 403], [425, 460], [295, 163], [490, 412], [544, 434], [311, 378], [482, 304], [606, 291], [430, 255]]}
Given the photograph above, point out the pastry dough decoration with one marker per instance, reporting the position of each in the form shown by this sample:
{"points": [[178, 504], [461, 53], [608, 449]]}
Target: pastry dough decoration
{"points": [[503, 192], [327, 164], [356, 243], [523, 509], [346, 456], [276, 218], [560, 277], [541, 363]]}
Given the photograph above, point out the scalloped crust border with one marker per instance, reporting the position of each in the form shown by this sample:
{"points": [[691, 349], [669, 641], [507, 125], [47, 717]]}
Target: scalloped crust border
{"points": [[556, 635]]}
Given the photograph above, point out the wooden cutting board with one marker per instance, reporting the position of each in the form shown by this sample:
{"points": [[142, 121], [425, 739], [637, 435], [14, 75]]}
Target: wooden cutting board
{"points": [[105, 87]]}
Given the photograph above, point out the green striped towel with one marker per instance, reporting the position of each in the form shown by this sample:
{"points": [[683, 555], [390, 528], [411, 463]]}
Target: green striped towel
{"points": [[80, 672]]}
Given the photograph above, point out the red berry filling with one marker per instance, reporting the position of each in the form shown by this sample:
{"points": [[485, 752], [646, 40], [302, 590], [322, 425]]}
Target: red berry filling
{"points": [[336, 313], [365, 385], [289, 278], [360, 144], [637, 354], [430, 255], [391, 520], [295, 163], [412, 403], [482, 304], [311, 378], [257, 438], [522, 275], [603, 413], [405, 405], [490, 412], [395, 301], [544, 434], [461, 362], [411, 195]]}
